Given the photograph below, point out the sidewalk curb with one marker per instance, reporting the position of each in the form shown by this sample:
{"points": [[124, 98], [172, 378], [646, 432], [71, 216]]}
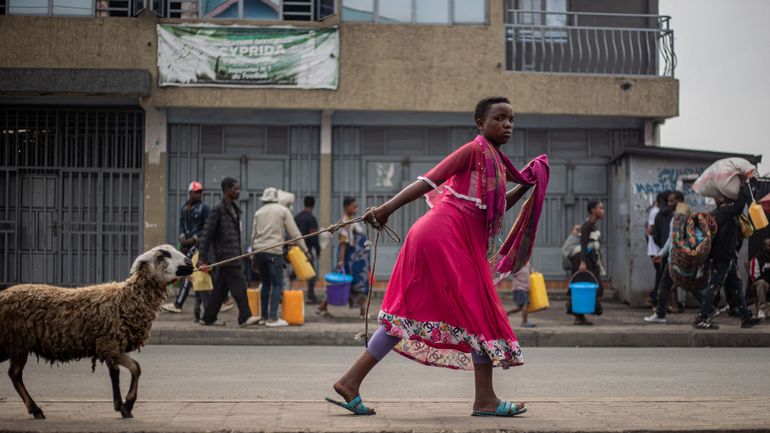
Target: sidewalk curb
{"points": [[389, 430], [528, 338]]}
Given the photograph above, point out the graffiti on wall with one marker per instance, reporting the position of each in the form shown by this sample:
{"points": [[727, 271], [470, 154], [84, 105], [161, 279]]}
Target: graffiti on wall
{"points": [[670, 179]]}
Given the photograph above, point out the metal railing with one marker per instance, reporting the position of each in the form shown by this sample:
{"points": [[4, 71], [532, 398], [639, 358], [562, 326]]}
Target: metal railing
{"points": [[589, 43]]}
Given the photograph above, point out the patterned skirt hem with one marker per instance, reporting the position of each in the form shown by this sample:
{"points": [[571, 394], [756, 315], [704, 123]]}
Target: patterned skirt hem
{"points": [[442, 345]]}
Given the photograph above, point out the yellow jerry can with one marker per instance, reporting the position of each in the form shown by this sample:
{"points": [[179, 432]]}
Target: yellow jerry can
{"points": [[300, 264], [201, 281], [538, 295], [293, 307], [254, 301], [758, 216]]}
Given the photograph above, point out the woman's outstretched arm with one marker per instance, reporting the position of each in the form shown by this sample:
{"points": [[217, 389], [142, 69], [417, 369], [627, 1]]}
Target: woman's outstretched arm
{"points": [[514, 194], [407, 195]]}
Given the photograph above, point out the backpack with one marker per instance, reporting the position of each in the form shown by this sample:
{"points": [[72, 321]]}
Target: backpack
{"points": [[569, 249], [691, 245]]}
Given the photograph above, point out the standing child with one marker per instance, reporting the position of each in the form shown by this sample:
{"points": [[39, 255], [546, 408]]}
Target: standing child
{"points": [[441, 307], [521, 295]]}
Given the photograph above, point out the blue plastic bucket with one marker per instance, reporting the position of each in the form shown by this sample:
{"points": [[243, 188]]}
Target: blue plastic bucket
{"points": [[583, 296], [338, 288]]}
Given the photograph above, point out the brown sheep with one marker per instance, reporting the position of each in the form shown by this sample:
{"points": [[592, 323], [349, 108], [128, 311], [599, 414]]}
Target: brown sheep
{"points": [[102, 322]]}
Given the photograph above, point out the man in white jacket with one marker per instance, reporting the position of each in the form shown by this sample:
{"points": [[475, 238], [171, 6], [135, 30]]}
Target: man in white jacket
{"points": [[271, 224]]}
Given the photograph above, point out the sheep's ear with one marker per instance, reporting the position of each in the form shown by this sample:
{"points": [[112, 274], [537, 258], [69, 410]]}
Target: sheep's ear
{"points": [[143, 259]]}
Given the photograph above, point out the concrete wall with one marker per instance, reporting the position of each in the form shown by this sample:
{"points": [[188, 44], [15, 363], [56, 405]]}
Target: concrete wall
{"points": [[638, 180], [382, 67]]}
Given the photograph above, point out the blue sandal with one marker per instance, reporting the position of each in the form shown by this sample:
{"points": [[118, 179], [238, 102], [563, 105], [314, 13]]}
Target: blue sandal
{"points": [[356, 406], [504, 409]]}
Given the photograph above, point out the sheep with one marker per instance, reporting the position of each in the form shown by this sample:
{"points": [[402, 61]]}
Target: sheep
{"points": [[102, 322]]}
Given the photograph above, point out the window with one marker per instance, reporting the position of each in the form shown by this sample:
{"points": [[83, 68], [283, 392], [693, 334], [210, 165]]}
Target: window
{"points": [[235, 9], [28, 7], [100, 8], [539, 13], [73, 7], [54, 7], [325, 9], [432, 12], [271, 10], [536, 10], [470, 11], [395, 11], [415, 11], [358, 10]]}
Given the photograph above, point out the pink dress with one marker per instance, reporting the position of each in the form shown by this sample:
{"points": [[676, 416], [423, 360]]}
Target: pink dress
{"points": [[441, 300]]}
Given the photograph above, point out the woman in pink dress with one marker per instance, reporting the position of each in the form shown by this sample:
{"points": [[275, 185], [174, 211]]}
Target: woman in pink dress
{"points": [[441, 307]]}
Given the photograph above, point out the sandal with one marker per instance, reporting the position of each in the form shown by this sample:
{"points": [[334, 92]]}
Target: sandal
{"points": [[356, 406], [504, 409], [528, 325]]}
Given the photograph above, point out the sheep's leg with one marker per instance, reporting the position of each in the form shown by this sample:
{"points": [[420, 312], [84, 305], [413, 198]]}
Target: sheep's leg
{"points": [[114, 369], [133, 367], [17, 366]]}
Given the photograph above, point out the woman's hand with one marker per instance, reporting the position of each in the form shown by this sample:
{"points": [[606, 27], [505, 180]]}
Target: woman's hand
{"points": [[377, 216], [582, 267], [341, 264]]}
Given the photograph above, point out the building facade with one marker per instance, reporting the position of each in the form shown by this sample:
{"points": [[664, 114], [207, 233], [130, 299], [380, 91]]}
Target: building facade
{"points": [[96, 155]]}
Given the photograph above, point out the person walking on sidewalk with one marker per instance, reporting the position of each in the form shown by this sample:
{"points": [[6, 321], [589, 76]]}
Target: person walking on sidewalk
{"points": [[222, 233], [271, 224], [307, 224], [520, 281], [724, 256], [441, 307], [666, 283], [352, 259], [192, 218], [759, 272], [653, 248], [589, 258]]}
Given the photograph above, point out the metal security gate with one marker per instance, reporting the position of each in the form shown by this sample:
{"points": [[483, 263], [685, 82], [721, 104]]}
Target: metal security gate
{"points": [[285, 157], [71, 194]]}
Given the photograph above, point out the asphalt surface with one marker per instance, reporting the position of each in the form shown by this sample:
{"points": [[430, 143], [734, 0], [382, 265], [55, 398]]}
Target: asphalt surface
{"points": [[281, 389], [307, 373]]}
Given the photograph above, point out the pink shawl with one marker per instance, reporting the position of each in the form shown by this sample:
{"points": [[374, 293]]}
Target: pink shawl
{"points": [[473, 173]]}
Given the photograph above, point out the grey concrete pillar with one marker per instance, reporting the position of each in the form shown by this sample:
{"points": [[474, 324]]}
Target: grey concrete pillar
{"points": [[325, 187], [155, 194]]}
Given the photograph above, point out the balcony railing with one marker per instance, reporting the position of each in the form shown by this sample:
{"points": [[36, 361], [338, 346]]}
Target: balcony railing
{"points": [[589, 43]]}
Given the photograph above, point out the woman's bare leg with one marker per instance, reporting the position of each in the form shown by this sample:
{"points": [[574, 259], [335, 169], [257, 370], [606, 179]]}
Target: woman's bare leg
{"points": [[486, 400], [349, 384]]}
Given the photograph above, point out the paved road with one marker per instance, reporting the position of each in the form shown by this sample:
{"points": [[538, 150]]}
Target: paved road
{"points": [[276, 388]]}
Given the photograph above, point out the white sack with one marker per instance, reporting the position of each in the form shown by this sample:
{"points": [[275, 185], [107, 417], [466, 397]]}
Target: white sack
{"points": [[721, 178]]}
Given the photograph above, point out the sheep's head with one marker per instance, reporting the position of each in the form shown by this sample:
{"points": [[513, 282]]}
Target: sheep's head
{"points": [[165, 262]]}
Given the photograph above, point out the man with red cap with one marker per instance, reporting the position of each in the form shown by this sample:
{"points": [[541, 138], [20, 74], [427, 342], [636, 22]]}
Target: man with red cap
{"points": [[192, 218]]}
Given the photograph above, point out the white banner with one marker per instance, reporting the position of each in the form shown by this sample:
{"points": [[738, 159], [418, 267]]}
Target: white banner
{"points": [[248, 56]]}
